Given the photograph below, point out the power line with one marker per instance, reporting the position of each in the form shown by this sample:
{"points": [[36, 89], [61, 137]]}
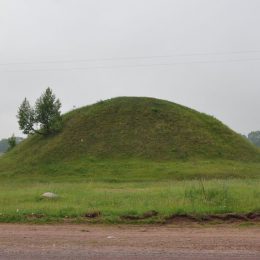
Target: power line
{"points": [[131, 58], [136, 65]]}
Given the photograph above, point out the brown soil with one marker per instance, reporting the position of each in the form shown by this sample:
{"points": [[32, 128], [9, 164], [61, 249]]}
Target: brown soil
{"points": [[227, 218], [128, 242], [148, 214]]}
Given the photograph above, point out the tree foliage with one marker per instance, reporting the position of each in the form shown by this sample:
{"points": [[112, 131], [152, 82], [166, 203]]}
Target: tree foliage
{"points": [[12, 142], [26, 118], [44, 118]]}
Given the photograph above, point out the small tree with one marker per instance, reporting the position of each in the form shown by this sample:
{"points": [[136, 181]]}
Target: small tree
{"points": [[47, 112], [11, 142], [26, 118], [44, 118]]}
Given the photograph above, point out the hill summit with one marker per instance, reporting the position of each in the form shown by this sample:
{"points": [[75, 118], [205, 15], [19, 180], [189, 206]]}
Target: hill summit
{"points": [[137, 127]]}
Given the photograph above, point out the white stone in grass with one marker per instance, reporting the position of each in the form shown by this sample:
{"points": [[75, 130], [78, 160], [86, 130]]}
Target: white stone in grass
{"points": [[49, 195]]}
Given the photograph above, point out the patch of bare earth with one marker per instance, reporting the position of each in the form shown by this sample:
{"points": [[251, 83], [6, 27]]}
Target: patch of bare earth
{"points": [[128, 242]]}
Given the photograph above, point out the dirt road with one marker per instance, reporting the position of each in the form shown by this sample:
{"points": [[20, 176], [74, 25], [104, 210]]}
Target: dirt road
{"points": [[128, 242]]}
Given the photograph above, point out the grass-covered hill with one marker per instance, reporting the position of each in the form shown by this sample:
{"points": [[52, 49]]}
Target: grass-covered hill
{"points": [[134, 138], [125, 157], [136, 128]]}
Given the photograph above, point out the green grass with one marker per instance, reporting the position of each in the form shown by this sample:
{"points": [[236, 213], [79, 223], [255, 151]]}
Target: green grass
{"points": [[128, 156], [131, 128], [131, 170], [122, 187], [18, 200], [117, 188]]}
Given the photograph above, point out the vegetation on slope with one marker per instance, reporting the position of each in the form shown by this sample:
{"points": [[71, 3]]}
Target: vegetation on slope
{"points": [[127, 156], [137, 128]]}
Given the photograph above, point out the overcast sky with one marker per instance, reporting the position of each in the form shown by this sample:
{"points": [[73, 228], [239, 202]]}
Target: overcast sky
{"points": [[204, 54]]}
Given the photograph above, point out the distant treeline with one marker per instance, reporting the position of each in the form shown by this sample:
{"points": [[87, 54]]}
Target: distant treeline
{"points": [[254, 137], [4, 146]]}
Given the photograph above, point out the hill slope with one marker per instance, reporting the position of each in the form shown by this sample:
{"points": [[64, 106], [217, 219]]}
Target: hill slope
{"points": [[139, 128]]}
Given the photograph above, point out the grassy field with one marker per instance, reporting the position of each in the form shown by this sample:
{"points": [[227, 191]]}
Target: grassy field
{"points": [[118, 188], [21, 201]]}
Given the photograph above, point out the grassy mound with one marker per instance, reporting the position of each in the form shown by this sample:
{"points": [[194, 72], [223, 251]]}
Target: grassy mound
{"points": [[140, 128], [126, 157]]}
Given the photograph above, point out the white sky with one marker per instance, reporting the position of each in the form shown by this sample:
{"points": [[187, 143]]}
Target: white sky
{"points": [[204, 54]]}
